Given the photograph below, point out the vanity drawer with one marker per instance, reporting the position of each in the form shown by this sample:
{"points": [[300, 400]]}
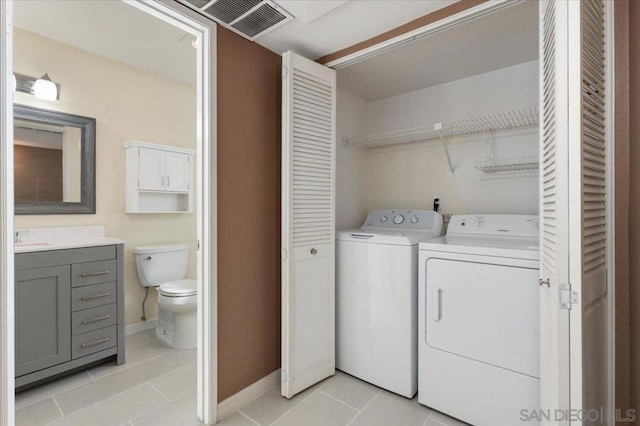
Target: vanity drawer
{"points": [[93, 341], [93, 273], [93, 295], [93, 319], [40, 259]]}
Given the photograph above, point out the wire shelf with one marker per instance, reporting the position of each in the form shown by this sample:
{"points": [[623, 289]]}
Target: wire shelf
{"points": [[527, 117], [508, 165]]}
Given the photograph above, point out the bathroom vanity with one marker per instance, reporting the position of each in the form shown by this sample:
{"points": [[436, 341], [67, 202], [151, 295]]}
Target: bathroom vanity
{"points": [[69, 306]]}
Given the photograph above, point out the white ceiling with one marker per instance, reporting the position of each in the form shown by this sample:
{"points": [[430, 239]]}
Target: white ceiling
{"points": [[309, 11], [349, 22], [498, 40], [120, 32], [114, 30]]}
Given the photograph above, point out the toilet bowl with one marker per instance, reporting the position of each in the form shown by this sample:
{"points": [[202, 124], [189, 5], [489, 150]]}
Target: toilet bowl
{"points": [[165, 267]]}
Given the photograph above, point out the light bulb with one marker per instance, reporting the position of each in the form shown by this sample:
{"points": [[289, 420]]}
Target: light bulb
{"points": [[45, 89]]}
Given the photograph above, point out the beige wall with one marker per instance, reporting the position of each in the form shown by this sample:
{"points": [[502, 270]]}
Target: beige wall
{"points": [[127, 103], [351, 162], [411, 175]]}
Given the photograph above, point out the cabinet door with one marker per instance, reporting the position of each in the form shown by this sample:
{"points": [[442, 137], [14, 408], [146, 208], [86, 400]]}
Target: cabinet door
{"points": [[151, 176], [177, 172], [43, 318]]}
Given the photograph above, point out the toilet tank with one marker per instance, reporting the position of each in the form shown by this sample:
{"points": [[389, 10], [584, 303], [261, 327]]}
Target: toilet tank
{"points": [[159, 264]]}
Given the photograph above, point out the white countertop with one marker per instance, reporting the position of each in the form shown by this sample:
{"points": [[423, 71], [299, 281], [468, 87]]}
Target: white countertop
{"points": [[61, 238]]}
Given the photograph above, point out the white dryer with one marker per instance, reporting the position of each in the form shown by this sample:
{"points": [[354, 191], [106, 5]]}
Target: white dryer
{"points": [[479, 328], [377, 297]]}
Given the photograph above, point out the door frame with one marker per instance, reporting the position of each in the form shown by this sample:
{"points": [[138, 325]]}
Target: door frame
{"points": [[611, 201], [7, 351], [204, 30], [492, 6], [434, 27]]}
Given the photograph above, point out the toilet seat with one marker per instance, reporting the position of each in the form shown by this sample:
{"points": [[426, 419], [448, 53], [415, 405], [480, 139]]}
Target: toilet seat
{"points": [[179, 288]]}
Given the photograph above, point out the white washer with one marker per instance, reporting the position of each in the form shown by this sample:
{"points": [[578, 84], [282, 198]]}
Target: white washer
{"points": [[376, 297], [479, 329]]}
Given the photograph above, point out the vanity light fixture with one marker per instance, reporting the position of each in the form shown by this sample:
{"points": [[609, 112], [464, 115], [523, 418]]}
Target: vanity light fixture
{"points": [[41, 88]]}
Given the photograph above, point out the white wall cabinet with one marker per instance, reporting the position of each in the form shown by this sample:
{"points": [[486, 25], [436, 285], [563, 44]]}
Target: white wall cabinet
{"points": [[177, 171], [158, 178]]}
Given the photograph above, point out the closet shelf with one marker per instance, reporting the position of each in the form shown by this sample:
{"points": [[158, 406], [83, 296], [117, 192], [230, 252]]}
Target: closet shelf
{"points": [[527, 117], [508, 165]]}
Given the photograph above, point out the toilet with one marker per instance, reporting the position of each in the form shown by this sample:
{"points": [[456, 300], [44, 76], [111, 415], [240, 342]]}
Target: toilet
{"points": [[165, 268]]}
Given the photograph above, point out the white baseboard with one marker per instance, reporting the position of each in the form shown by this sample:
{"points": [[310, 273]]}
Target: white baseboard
{"points": [[140, 326], [248, 394]]}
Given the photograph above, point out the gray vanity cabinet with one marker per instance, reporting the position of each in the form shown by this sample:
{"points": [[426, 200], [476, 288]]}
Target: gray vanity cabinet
{"points": [[69, 311], [43, 325]]}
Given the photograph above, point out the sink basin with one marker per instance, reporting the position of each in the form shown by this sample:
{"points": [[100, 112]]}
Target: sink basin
{"points": [[31, 245]]}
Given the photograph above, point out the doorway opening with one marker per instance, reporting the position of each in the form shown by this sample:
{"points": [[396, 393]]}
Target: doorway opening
{"points": [[152, 81]]}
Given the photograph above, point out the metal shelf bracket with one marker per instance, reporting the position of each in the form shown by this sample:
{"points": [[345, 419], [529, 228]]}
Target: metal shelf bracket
{"points": [[438, 127]]}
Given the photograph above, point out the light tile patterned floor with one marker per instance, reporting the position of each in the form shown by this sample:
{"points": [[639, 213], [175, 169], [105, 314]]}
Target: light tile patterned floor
{"points": [[154, 381], [156, 387]]}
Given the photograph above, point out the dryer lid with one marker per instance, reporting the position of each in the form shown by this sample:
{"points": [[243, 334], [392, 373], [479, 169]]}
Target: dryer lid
{"points": [[179, 288]]}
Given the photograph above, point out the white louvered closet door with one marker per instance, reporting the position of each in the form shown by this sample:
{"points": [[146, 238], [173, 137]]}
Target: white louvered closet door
{"points": [[574, 208], [308, 223]]}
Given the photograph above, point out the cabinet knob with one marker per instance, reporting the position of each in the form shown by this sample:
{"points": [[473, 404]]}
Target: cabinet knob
{"points": [[314, 251]]}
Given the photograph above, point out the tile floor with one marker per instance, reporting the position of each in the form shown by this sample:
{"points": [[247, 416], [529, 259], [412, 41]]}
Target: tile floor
{"points": [[157, 387], [156, 382]]}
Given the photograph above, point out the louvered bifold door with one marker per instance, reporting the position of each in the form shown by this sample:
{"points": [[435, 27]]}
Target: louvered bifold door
{"points": [[308, 223], [574, 150], [589, 143], [554, 207]]}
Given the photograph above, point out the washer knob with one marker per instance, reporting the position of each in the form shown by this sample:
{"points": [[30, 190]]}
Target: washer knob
{"points": [[398, 219], [384, 219], [414, 219]]}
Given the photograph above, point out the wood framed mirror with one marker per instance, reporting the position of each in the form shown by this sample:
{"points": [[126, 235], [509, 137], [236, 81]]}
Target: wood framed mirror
{"points": [[54, 162]]}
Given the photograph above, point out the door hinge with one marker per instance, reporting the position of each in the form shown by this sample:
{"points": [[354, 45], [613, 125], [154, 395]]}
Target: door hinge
{"points": [[284, 253], [568, 297], [285, 72], [284, 376], [198, 245]]}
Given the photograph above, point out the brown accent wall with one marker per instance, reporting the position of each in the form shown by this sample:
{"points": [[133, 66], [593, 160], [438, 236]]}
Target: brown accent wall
{"points": [[432, 17], [249, 92], [634, 200], [623, 382]]}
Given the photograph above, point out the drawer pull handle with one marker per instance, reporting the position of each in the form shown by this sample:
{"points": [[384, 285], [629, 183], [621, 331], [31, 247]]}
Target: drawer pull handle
{"points": [[90, 321], [95, 296], [96, 343], [93, 274]]}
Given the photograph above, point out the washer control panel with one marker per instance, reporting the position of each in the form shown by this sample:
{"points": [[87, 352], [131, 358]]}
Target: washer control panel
{"points": [[403, 219], [513, 225]]}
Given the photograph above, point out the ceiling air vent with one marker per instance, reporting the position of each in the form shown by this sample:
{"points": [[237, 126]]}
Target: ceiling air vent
{"points": [[249, 18]]}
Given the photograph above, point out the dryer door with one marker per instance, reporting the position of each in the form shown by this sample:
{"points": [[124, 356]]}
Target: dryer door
{"points": [[487, 312]]}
